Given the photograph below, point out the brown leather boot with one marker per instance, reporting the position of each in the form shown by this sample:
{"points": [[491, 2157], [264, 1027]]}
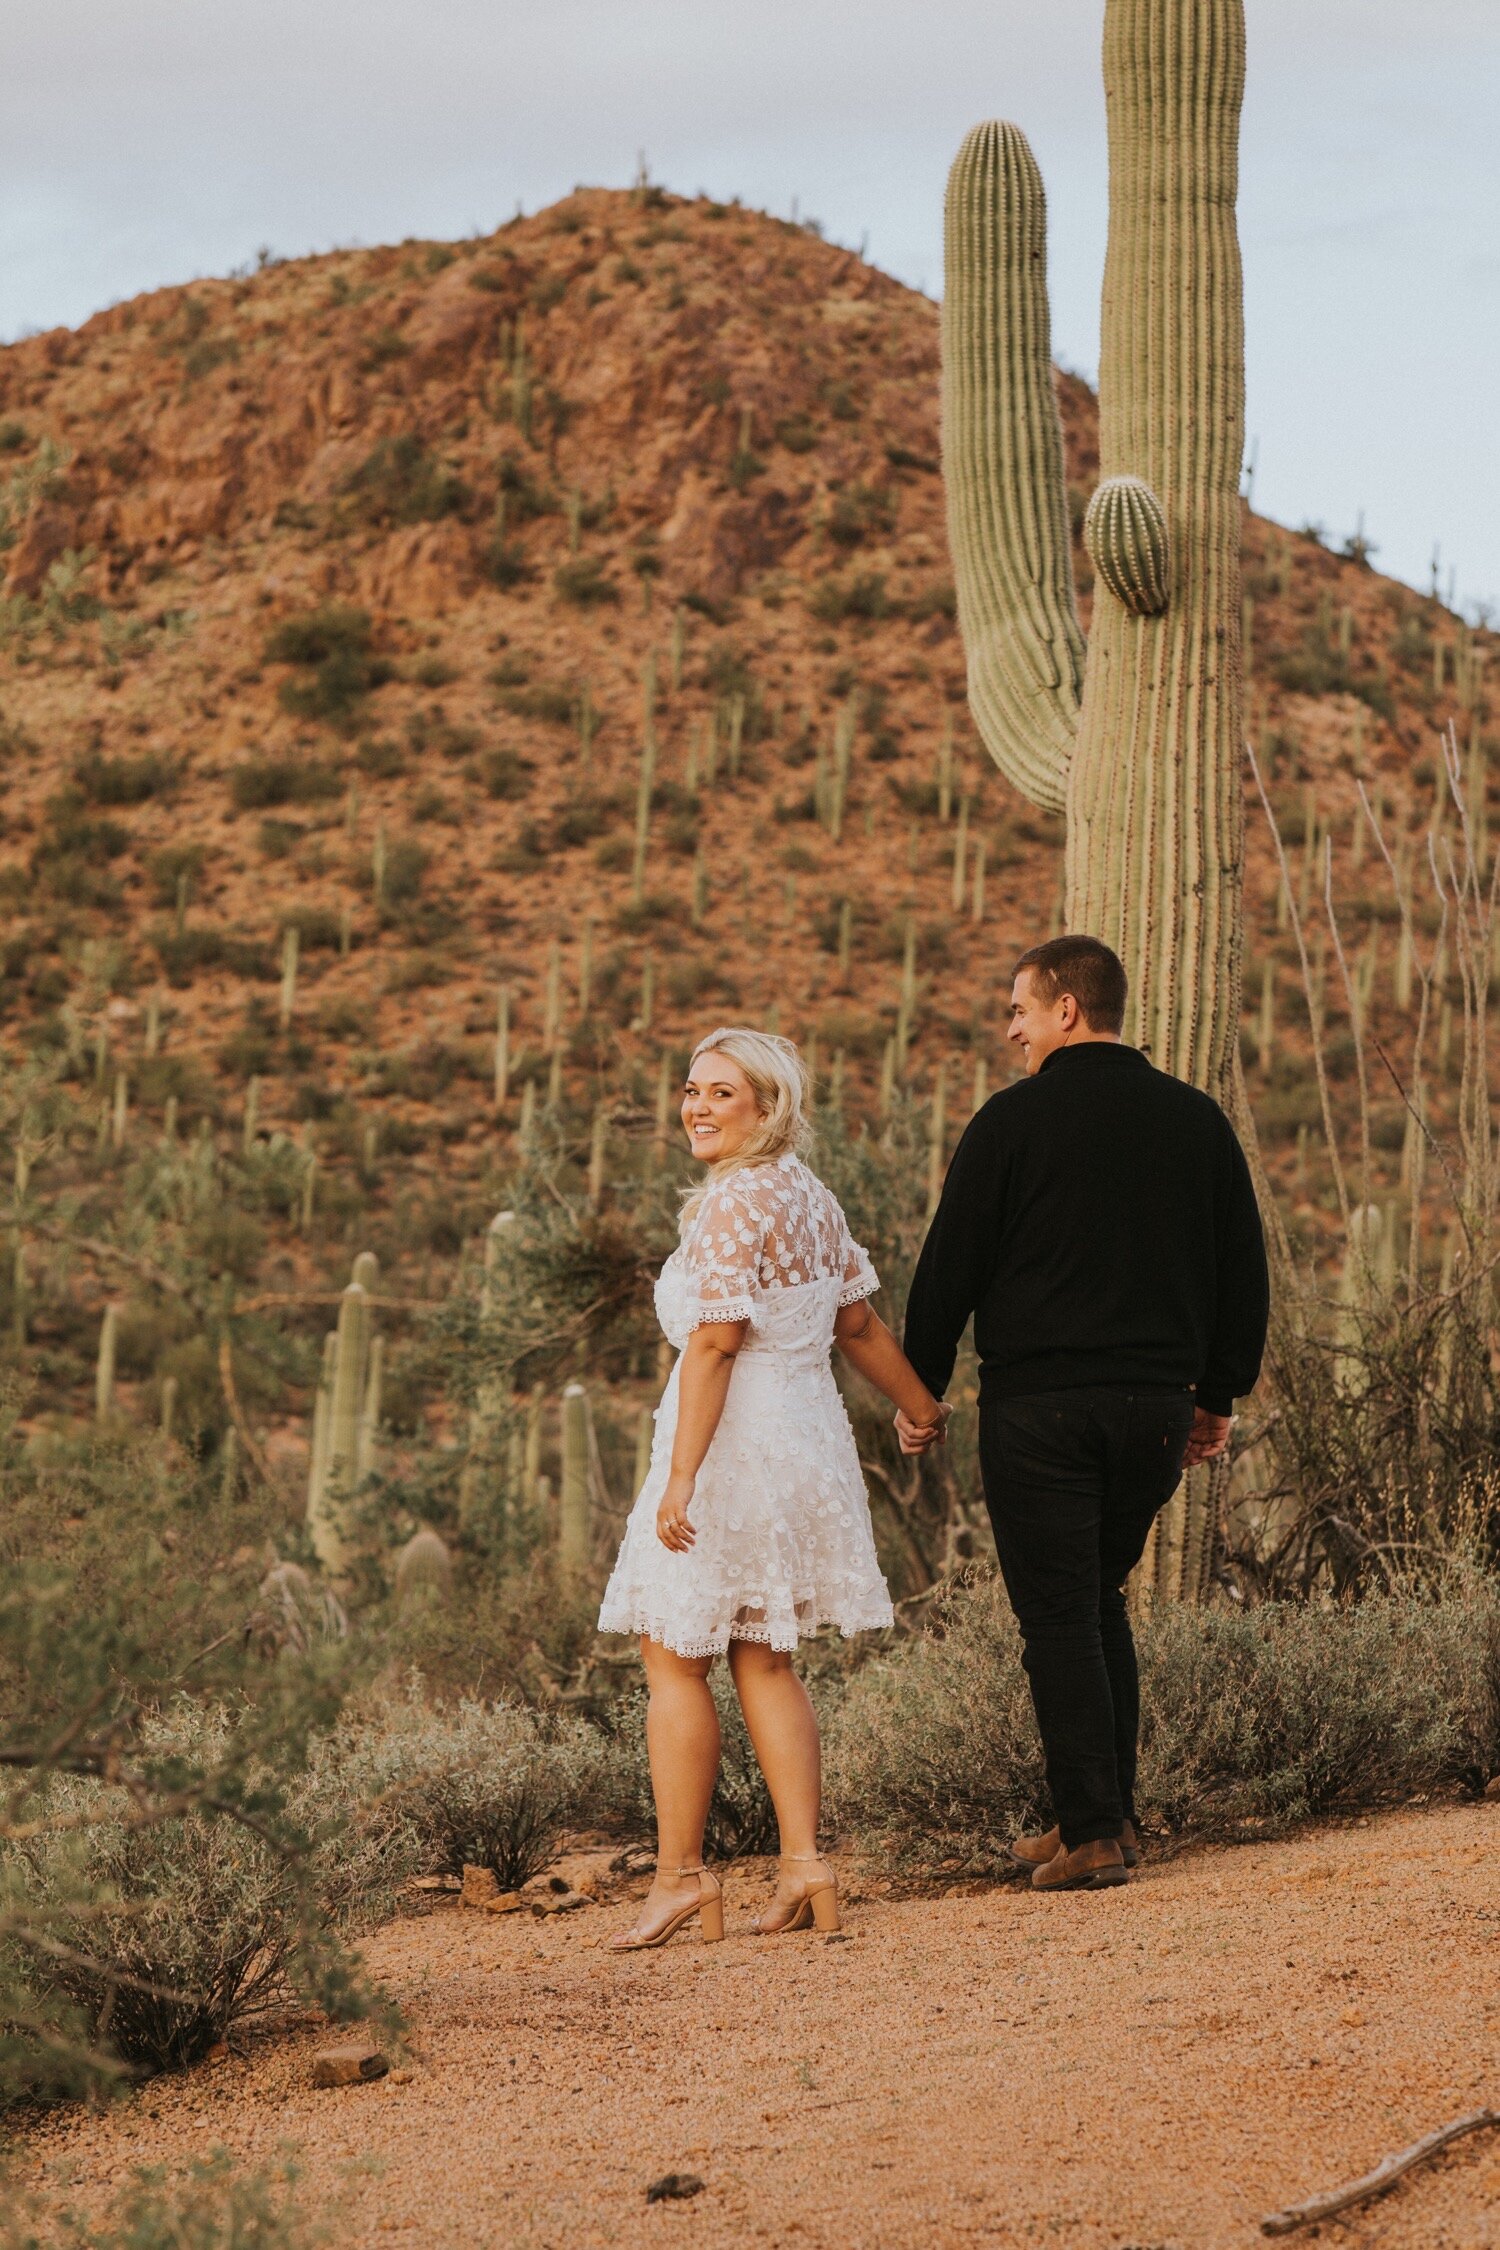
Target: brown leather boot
{"points": [[1035, 1851], [1091, 1867]]}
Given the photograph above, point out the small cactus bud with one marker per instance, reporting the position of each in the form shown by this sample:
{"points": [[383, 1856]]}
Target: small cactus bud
{"points": [[1125, 532]]}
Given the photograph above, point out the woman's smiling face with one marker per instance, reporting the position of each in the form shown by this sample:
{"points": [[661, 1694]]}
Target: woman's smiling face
{"points": [[719, 1109]]}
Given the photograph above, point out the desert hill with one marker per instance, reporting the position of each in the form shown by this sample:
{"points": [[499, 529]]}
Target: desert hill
{"points": [[349, 596]]}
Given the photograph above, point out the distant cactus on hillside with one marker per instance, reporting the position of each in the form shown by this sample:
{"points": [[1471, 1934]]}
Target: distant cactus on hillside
{"points": [[345, 1418]]}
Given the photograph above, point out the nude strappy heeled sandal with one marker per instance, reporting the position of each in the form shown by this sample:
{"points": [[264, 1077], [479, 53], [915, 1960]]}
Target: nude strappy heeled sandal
{"points": [[708, 1906], [818, 1904]]}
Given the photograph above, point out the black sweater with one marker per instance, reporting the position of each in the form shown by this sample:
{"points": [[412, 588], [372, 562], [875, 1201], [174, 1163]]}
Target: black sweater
{"points": [[1099, 1223]]}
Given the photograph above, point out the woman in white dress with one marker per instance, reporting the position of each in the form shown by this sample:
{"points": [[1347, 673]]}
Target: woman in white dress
{"points": [[752, 1528]]}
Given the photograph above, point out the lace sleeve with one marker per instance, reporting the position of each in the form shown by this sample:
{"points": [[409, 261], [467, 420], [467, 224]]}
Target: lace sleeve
{"points": [[857, 1275], [722, 1254]]}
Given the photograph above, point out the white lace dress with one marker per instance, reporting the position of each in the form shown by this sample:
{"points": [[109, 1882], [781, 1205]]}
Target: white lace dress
{"points": [[784, 1543]]}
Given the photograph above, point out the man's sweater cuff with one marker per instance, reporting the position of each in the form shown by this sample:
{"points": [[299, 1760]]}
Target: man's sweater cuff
{"points": [[1210, 1402]]}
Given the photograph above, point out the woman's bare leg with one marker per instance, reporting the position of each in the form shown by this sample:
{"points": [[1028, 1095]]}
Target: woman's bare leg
{"points": [[783, 1730], [682, 1738]]}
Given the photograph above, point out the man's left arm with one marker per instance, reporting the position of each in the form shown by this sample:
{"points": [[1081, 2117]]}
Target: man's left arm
{"points": [[958, 1256], [1243, 1307]]}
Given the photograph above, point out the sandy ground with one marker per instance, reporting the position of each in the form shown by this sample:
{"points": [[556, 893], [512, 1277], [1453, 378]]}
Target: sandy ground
{"points": [[1145, 2069]]}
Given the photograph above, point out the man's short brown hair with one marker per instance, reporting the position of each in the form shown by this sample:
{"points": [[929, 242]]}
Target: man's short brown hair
{"points": [[1087, 968]]}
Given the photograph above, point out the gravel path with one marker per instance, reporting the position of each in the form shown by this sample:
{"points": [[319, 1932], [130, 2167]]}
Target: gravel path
{"points": [[1145, 2069]]}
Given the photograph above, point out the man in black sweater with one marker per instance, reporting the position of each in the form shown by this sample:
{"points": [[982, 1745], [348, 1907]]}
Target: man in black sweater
{"points": [[1099, 1224]]}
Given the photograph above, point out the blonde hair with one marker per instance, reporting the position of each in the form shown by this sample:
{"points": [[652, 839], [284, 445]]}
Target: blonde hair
{"points": [[779, 1082]]}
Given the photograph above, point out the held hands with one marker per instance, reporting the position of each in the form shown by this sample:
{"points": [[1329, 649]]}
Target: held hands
{"points": [[1208, 1437], [921, 1437], [672, 1526]]}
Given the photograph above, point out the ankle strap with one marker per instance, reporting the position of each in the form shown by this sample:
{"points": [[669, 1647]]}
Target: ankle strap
{"points": [[700, 1869], [815, 1859]]}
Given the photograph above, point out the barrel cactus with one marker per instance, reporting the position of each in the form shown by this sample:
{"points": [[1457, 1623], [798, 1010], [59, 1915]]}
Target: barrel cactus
{"points": [[1137, 739]]}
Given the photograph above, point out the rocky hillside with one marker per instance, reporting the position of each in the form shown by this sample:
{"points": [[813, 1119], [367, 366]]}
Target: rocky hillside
{"points": [[349, 597]]}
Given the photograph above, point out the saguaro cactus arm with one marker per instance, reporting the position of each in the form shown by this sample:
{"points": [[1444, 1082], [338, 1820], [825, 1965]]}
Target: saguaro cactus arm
{"points": [[1003, 466]]}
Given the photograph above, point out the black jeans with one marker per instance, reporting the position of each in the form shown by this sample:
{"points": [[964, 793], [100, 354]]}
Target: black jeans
{"points": [[1073, 1480]]}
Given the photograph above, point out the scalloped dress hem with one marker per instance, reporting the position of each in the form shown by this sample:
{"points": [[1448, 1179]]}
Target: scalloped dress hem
{"points": [[620, 1619]]}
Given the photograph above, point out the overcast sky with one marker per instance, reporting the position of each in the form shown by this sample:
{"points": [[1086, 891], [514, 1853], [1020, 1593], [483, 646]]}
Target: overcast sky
{"points": [[152, 142]]}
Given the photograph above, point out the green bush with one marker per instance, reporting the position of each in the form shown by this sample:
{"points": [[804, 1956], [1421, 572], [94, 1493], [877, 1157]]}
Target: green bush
{"points": [[1252, 1720], [170, 1932], [481, 1784], [331, 648], [167, 867], [210, 2206], [124, 781], [859, 512], [181, 952], [400, 482], [834, 600], [583, 581], [261, 782]]}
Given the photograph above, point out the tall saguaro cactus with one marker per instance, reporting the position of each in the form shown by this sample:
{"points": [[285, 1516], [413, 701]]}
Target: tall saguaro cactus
{"points": [[1138, 741]]}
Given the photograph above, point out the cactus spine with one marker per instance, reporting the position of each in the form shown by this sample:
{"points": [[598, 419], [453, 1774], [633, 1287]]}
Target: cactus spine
{"points": [[1140, 746]]}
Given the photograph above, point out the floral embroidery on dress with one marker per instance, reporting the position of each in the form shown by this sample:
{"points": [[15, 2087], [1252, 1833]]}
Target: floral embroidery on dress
{"points": [[784, 1540]]}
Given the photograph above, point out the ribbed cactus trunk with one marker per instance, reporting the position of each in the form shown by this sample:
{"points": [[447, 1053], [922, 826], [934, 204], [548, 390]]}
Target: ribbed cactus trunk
{"points": [[575, 1512], [1155, 803], [345, 1418], [1141, 742], [480, 1474]]}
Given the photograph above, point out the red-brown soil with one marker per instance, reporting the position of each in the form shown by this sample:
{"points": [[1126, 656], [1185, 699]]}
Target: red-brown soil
{"points": [[1157, 2066]]}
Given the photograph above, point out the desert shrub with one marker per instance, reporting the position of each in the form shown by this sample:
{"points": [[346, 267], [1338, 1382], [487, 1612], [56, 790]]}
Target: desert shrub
{"points": [[834, 600], [122, 1570], [481, 1784], [1251, 1721], [507, 775], [261, 782], [524, 497], [209, 2206], [124, 781], [579, 821], [166, 869], [859, 512], [797, 433], [181, 952], [542, 700], [73, 850], [380, 758], [504, 561], [584, 581], [331, 649], [1273, 1714], [171, 1932], [316, 926], [401, 482], [933, 1759]]}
